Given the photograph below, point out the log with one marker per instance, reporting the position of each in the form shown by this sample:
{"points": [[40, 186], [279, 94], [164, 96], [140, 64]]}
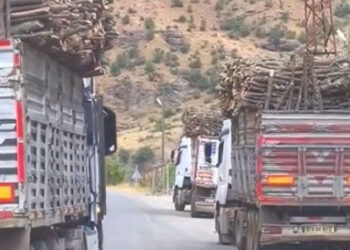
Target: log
{"points": [[247, 84]]}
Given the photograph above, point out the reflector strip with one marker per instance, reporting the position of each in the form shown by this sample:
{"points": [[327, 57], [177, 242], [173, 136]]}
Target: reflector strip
{"points": [[280, 180], [17, 60], [20, 146]]}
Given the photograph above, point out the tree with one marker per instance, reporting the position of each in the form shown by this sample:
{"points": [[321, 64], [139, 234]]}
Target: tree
{"points": [[114, 172], [143, 155], [124, 156]]}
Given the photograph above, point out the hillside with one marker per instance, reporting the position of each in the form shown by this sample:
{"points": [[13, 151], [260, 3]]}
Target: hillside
{"points": [[175, 49]]}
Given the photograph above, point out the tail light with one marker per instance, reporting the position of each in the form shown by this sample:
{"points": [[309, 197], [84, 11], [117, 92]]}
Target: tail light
{"points": [[20, 145], [280, 180], [5, 44], [347, 181], [7, 193]]}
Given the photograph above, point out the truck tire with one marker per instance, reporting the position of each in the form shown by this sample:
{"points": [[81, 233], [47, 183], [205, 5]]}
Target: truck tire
{"points": [[224, 239], [253, 239], [239, 233], [39, 245], [178, 205], [194, 213]]}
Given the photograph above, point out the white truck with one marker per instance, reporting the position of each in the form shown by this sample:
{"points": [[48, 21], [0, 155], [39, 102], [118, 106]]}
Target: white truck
{"points": [[196, 174], [52, 146]]}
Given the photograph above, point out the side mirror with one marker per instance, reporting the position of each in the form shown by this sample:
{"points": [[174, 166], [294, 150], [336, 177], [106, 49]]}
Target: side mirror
{"points": [[110, 131], [172, 155]]}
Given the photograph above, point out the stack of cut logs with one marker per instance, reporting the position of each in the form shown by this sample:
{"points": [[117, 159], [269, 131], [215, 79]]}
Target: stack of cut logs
{"points": [[74, 32], [269, 84], [201, 122]]}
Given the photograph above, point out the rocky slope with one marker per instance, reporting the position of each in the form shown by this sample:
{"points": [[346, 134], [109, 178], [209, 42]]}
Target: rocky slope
{"points": [[174, 49]]}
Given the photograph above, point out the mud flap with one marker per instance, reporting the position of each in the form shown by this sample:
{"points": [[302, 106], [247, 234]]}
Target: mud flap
{"points": [[15, 239], [91, 239]]}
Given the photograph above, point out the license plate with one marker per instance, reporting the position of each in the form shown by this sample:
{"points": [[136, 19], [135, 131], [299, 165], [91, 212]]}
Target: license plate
{"points": [[318, 229], [209, 200]]}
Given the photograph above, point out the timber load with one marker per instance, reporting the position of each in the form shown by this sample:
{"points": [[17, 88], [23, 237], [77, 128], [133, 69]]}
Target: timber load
{"points": [[270, 84], [199, 122], [73, 32]]}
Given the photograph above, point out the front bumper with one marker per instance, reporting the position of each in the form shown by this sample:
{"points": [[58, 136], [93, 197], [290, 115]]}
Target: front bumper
{"points": [[294, 234]]}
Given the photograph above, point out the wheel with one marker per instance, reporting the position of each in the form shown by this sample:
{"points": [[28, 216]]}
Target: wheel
{"points": [[224, 239], [194, 213], [178, 205], [240, 238], [39, 245], [253, 238]]}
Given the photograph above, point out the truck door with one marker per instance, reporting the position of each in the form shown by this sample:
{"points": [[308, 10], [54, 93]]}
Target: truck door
{"points": [[183, 163], [224, 178]]}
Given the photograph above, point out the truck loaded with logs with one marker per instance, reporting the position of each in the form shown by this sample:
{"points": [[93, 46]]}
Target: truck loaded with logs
{"points": [[54, 129], [195, 160], [284, 154]]}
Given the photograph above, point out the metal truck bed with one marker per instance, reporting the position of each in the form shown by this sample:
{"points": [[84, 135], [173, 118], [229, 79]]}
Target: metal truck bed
{"points": [[42, 142], [298, 159]]}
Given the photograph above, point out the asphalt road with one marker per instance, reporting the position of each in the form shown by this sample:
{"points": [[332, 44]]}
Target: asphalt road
{"points": [[136, 222]]}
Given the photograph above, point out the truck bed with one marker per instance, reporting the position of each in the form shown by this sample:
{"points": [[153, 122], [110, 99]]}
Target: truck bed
{"points": [[297, 159], [49, 170]]}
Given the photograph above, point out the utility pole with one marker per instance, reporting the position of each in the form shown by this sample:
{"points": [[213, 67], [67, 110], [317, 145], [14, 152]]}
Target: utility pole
{"points": [[166, 173]]}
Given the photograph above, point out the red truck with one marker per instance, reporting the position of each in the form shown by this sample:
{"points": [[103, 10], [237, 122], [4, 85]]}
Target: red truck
{"points": [[284, 178]]}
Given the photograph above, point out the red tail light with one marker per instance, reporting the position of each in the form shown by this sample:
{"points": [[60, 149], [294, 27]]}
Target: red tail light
{"points": [[5, 44], [20, 146]]}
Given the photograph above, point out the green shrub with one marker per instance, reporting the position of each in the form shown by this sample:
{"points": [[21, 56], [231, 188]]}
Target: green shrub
{"points": [[181, 19], [125, 20], [235, 27], [149, 23], [219, 5], [158, 55], [115, 69], [285, 17], [260, 32], [124, 156], [171, 60], [169, 112], [150, 35], [302, 37], [177, 3], [185, 48], [141, 60], [195, 62], [276, 34], [115, 173], [149, 67], [342, 9], [165, 89], [291, 34], [134, 52], [143, 155], [196, 79]]}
